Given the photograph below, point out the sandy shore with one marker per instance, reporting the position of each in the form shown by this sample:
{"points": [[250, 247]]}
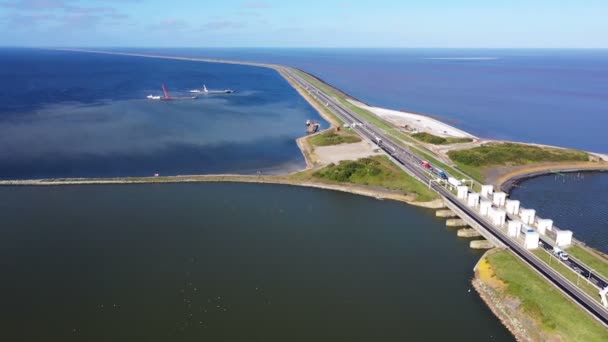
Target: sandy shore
{"points": [[421, 123]]}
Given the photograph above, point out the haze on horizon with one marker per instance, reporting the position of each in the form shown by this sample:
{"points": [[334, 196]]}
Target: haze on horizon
{"points": [[313, 23]]}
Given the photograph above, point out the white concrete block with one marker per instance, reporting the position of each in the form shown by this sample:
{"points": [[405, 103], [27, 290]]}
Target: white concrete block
{"points": [[487, 190], [543, 225], [531, 239], [563, 238], [514, 228], [473, 200], [498, 217], [499, 198], [527, 215], [512, 206], [462, 192], [484, 207]]}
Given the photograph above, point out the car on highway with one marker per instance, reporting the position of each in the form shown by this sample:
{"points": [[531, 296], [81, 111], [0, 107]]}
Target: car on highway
{"points": [[584, 273]]}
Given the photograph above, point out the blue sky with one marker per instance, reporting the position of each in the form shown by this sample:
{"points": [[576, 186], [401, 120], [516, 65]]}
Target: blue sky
{"points": [[312, 23]]}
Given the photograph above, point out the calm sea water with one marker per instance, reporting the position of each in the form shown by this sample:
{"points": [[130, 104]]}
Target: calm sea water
{"points": [[231, 262], [556, 97], [67, 114], [575, 201]]}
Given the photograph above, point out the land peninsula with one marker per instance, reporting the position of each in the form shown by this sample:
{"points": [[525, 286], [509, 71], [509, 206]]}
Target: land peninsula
{"points": [[339, 159]]}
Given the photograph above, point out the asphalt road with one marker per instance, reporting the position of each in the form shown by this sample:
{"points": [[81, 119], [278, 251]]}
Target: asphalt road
{"points": [[412, 164]]}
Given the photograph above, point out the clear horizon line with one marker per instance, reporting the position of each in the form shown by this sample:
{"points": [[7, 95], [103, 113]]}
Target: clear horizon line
{"points": [[301, 47]]}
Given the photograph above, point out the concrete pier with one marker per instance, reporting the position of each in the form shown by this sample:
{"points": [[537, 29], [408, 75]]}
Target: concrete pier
{"points": [[481, 244], [455, 222], [468, 233], [445, 213]]}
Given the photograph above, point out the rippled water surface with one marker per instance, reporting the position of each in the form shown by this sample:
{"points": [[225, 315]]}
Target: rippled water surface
{"points": [[575, 201], [549, 96], [231, 262], [68, 114]]}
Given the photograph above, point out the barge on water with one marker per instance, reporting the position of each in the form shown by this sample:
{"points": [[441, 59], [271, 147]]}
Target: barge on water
{"points": [[312, 126]]}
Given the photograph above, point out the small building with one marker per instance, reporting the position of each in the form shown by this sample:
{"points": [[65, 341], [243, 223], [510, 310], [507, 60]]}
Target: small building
{"points": [[462, 192], [487, 190], [543, 225], [499, 198], [473, 200], [513, 228], [484, 207], [498, 216], [563, 238], [527, 216], [512, 206], [531, 238]]}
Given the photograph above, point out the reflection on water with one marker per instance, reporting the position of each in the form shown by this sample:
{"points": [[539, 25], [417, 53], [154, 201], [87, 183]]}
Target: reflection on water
{"points": [[83, 127], [575, 201]]}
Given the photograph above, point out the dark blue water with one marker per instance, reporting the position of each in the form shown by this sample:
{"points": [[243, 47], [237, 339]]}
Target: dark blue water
{"points": [[231, 262], [67, 114], [556, 97], [575, 201]]}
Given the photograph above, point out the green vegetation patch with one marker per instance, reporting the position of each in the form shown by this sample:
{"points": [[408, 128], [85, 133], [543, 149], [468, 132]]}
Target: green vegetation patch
{"points": [[333, 138], [514, 154], [436, 140], [567, 272], [556, 313], [597, 263], [376, 171]]}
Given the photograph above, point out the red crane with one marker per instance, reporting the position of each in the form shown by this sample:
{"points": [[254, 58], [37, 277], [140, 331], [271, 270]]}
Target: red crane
{"points": [[167, 95]]}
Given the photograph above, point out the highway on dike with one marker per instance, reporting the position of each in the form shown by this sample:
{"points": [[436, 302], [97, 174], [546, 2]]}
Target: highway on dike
{"points": [[411, 163]]}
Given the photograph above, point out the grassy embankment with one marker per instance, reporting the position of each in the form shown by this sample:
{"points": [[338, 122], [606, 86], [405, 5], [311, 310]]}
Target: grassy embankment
{"points": [[376, 171], [437, 140], [385, 126], [565, 271], [334, 138], [596, 262], [475, 161], [555, 313]]}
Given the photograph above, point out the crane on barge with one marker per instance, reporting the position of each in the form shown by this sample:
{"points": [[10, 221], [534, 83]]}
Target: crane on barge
{"points": [[167, 97]]}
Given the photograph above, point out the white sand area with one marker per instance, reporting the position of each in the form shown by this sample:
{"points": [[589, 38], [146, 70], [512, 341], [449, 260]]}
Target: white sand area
{"points": [[336, 153], [417, 122]]}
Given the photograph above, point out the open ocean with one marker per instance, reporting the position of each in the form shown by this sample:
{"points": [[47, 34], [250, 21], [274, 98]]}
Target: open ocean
{"points": [[237, 261], [69, 114], [556, 97], [548, 96]]}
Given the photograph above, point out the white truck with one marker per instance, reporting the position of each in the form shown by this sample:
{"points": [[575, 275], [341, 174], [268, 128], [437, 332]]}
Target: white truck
{"points": [[454, 181], [560, 253]]}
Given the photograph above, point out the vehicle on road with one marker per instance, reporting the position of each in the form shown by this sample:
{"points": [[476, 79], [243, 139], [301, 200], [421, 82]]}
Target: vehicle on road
{"points": [[454, 181], [558, 252]]}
